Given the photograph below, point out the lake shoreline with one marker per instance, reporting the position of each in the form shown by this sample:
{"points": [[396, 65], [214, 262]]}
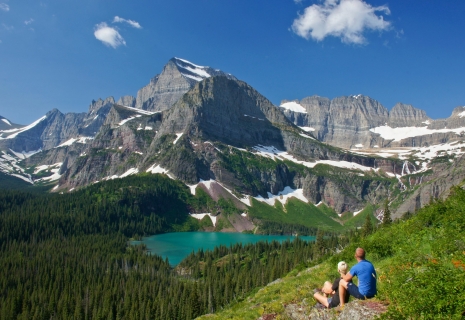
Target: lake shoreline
{"points": [[177, 245]]}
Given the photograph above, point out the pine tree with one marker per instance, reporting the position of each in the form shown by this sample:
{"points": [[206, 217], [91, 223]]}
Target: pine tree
{"points": [[387, 214], [367, 228]]}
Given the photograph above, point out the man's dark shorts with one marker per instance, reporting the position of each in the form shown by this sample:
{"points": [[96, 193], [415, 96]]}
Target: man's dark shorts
{"points": [[353, 290]]}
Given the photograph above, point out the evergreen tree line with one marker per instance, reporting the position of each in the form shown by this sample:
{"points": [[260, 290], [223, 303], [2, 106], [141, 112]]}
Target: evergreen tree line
{"points": [[281, 228], [67, 256]]}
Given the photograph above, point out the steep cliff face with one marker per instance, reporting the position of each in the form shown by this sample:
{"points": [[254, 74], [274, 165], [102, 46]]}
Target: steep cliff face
{"points": [[405, 115], [118, 148], [435, 185], [342, 122], [47, 132], [128, 101], [60, 128], [361, 122], [227, 110], [96, 116], [178, 77]]}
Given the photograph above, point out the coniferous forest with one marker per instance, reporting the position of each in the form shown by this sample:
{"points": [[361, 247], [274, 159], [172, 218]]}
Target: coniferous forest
{"points": [[68, 256]]}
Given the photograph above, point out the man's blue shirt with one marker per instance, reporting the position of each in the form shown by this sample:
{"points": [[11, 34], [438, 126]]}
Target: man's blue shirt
{"points": [[365, 271]]}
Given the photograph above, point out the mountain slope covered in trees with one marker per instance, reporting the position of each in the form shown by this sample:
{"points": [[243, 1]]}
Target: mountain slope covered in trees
{"points": [[68, 256]]}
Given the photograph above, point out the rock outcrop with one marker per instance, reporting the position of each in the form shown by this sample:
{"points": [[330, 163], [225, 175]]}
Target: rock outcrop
{"points": [[356, 310]]}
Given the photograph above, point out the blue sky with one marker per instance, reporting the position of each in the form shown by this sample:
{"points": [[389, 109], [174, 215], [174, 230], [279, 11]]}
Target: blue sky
{"points": [[408, 51]]}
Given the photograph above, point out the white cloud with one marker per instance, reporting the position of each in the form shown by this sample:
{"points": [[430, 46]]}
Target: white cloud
{"points": [[108, 35], [346, 19], [132, 23], [4, 7], [7, 27], [28, 22]]}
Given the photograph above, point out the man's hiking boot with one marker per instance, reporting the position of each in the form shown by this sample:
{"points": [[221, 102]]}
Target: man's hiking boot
{"points": [[339, 308]]}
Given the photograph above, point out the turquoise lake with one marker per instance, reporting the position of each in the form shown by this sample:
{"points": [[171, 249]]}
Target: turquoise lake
{"points": [[178, 245]]}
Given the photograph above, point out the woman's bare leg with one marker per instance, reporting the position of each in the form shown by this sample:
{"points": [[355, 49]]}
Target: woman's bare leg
{"points": [[321, 299]]}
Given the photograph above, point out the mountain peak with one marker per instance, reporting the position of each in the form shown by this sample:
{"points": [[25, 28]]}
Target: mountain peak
{"points": [[195, 72], [190, 70], [177, 77]]}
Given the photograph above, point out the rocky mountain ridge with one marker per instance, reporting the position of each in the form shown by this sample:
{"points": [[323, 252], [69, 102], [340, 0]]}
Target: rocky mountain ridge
{"points": [[362, 122], [219, 128]]}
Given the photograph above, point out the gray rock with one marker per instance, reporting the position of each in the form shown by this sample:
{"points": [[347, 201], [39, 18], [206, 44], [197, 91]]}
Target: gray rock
{"points": [[178, 77], [356, 310], [405, 115], [346, 122], [128, 101]]}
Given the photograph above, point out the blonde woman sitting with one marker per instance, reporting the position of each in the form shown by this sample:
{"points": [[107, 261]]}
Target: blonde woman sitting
{"points": [[331, 291]]}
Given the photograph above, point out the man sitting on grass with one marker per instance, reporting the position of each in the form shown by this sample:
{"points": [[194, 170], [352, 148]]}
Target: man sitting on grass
{"points": [[365, 271]]}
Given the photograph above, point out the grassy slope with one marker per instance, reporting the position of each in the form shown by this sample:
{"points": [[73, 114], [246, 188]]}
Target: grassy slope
{"points": [[295, 211], [307, 214], [420, 264]]}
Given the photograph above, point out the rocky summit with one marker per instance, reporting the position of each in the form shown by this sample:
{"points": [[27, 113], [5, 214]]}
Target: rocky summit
{"points": [[199, 124], [178, 77]]}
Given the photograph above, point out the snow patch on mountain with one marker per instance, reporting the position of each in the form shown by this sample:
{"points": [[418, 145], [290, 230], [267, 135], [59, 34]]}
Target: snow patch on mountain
{"points": [[307, 129], [15, 132], [178, 136], [246, 115], [200, 216], [23, 155], [54, 169], [47, 167], [273, 153], [283, 196], [207, 183], [192, 71], [293, 106], [6, 121], [156, 168], [140, 111], [306, 136], [397, 134], [82, 140]]}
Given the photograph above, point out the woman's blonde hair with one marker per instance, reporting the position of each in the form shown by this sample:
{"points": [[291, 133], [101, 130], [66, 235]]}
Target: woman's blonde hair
{"points": [[342, 267]]}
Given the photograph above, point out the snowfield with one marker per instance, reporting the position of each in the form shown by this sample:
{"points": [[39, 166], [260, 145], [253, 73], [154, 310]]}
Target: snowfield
{"points": [[273, 153], [398, 134], [283, 196], [293, 106], [197, 73], [199, 216], [82, 140]]}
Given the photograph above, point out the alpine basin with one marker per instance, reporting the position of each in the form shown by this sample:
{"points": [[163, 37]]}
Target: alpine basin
{"points": [[178, 245]]}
